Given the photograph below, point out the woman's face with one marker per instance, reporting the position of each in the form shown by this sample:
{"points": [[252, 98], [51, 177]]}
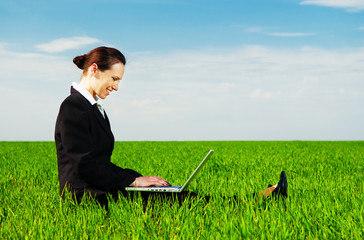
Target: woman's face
{"points": [[107, 81]]}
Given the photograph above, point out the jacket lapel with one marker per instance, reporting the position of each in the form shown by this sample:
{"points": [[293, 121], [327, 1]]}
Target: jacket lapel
{"points": [[104, 122]]}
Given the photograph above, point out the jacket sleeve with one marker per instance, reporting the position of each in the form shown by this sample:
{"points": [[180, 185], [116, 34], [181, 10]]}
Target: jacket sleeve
{"points": [[89, 155]]}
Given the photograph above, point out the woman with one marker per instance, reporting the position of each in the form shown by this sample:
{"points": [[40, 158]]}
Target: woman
{"points": [[84, 140]]}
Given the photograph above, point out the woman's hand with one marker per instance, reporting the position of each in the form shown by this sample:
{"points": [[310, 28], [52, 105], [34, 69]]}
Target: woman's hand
{"points": [[147, 181]]}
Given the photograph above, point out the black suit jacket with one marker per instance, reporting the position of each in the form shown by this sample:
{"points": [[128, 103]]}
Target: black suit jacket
{"points": [[84, 143]]}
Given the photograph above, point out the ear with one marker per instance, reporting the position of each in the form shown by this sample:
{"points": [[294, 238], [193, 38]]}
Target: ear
{"points": [[93, 68]]}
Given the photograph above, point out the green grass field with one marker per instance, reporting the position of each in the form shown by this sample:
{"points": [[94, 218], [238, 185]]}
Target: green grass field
{"points": [[326, 193]]}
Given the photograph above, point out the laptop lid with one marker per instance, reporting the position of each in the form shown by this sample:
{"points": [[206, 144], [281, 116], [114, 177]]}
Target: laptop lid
{"points": [[202, 163]]}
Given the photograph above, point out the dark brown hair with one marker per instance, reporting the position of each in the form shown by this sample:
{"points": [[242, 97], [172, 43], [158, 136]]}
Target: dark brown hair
{"points": [[104, 57]]}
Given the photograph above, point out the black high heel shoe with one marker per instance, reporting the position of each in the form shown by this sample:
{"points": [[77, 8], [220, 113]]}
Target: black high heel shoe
{"points": [[281, 189]]}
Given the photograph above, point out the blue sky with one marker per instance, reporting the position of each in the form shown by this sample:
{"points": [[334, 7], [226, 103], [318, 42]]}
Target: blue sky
{"points": [[168, 25], [197, 70]]}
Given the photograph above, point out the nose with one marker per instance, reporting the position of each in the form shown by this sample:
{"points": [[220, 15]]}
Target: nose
{"points": [[116, 85]]}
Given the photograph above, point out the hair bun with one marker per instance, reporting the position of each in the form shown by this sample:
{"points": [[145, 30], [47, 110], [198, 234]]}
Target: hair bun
{"points": [[80, 61]]}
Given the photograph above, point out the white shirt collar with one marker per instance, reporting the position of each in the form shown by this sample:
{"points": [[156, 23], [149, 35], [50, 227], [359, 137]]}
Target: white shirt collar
{"points": [[84, 92]]}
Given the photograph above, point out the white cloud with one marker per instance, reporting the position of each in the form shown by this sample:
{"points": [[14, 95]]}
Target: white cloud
{"points": [[63, 44], [361, 28], [350, 5], [251, 92], [32, 86], [287, 34]]}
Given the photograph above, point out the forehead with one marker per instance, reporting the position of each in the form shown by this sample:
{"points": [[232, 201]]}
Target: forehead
{"points": [[116, 69]]}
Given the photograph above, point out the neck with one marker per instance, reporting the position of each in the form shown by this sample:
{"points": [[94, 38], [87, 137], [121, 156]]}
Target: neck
{"points": [[86, 83]]}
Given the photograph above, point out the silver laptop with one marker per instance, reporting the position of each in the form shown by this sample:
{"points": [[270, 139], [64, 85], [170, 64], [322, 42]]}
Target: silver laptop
{"points": [[173, 188]]}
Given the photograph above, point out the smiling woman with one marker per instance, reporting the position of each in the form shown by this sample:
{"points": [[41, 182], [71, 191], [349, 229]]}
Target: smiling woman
{"points": [[83, 136]]}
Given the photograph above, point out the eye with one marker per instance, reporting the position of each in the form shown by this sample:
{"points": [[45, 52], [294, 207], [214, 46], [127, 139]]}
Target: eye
{"points": [[115, 78]]}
